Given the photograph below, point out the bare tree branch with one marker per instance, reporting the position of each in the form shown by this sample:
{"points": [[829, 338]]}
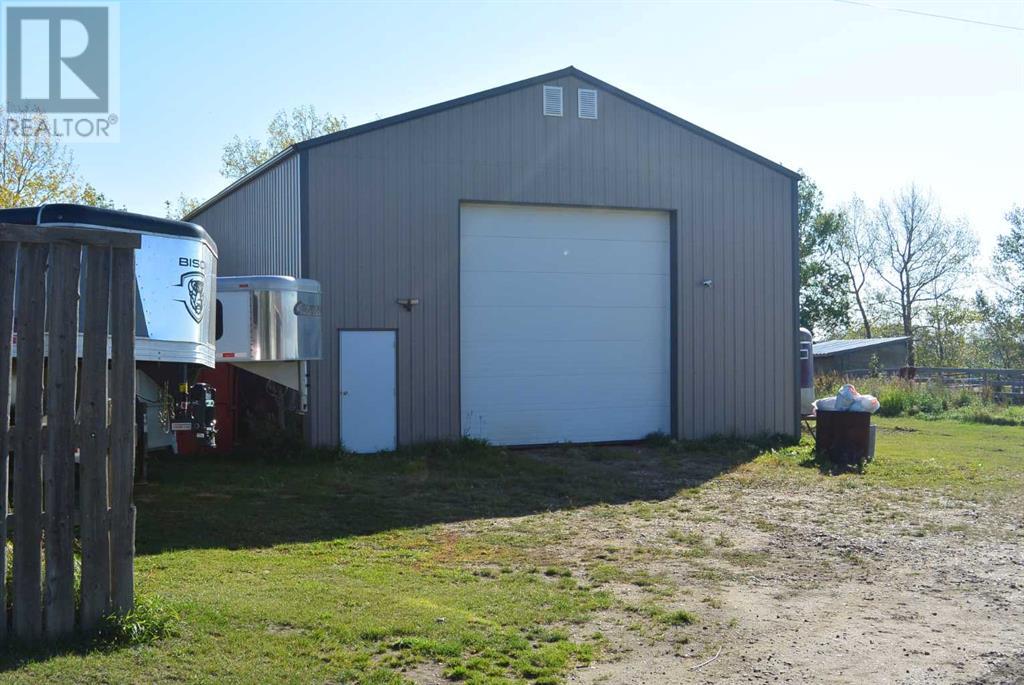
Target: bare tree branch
{"points": [[921, 256], [856, 249]]}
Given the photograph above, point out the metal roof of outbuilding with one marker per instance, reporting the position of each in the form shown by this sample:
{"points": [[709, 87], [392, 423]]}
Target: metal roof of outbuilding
{"points": [[830, 347]]}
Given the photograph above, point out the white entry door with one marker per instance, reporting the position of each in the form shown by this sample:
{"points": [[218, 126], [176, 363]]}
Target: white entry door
{"points": [[368, 393], [565, 323]]}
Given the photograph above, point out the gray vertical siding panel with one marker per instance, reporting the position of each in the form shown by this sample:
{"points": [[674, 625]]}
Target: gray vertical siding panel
{"points": [[711, 314], [762, 341], [682, 176], [788, 333], [432, 226], [746, 306], [704, 332], [727, 266], [419, 394], [720, 291], [256, 227], [384, 224], [780, 248], [733, 258], [733, 255], [778, 295]]}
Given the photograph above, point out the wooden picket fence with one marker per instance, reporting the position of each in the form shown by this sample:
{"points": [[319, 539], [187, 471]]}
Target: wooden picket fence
{"points": [[40, 275]]}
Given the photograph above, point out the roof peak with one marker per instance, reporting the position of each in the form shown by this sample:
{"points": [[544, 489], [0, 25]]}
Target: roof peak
{"points": [[570, 70]]}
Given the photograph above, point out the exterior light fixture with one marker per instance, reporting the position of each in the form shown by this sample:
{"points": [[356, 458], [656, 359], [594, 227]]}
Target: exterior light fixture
{"points": [[408, 302]]}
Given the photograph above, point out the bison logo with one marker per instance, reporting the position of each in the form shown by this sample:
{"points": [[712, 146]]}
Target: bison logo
{"points": [[194, 284]]}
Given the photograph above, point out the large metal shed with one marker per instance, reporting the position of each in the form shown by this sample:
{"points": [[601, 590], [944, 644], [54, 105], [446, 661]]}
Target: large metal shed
{"points": [[551, 260], [860, 356]]}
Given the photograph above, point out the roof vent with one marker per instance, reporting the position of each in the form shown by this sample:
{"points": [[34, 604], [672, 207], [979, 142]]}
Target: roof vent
{"points": [[587, 103], [552, 101]]}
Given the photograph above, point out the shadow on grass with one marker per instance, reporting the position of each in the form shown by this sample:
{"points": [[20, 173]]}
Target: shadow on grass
{"points": [[827, 467], [244, 503], [150, 620], [14, 655], [823, 465], [234, 502]]}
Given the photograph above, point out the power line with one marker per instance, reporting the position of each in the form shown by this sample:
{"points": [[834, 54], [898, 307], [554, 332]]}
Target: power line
{"points": [[929, 14]]}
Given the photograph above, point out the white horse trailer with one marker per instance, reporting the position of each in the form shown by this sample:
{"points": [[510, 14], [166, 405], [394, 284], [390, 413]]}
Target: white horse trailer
{"points": [[175, 278], [179, 318], [270, 326]]}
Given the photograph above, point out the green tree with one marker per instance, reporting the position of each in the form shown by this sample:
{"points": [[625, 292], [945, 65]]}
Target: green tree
{"points": [[242, 155], [1002, 313], [944, 337], [1001, 343], [40, 168], [88, 195], [181, 206], [824, 301], [1009, 258]]}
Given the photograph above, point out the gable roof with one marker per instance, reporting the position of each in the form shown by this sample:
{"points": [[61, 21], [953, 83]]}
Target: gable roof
{"points": [[483, 95], [829, 347]]}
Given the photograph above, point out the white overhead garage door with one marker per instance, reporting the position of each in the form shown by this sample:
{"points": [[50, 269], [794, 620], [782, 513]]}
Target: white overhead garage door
{"points": [[564, 324]]}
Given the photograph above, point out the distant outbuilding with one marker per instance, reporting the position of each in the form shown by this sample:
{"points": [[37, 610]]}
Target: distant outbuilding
{"points": [[859, 356]]}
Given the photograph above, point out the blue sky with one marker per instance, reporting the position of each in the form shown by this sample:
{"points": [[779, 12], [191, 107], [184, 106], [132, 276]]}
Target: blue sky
{"points": [[864, 99]]}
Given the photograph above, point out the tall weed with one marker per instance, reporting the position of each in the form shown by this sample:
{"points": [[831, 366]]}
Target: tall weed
{"points": [[902, 397]]}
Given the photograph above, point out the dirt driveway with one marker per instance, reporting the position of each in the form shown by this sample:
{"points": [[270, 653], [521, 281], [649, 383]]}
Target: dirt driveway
{"points": [[754, 577]]}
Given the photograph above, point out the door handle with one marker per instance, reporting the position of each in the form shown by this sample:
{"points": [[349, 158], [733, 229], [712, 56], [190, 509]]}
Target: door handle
{"points": [[344, 393]]}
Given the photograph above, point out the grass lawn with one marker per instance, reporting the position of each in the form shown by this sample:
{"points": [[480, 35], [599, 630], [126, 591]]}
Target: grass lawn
{"points": [[350, 570], [966, 460]]}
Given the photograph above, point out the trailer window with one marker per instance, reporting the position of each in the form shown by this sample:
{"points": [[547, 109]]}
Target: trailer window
{"points": [[220, 321]]}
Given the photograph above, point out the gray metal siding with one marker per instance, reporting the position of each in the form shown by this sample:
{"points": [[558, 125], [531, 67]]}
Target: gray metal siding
{"points": [[257, 226], [384, 224]]}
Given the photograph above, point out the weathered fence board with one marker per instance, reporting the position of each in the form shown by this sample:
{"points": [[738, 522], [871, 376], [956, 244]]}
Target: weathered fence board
{"points": [[93, 452], [44, 263], [8, 267], [28, 615], [122, 429], [59, 463]]}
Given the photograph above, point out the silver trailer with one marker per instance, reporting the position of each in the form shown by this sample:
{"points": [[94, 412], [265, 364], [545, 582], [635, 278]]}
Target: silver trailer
{"points": [[268, 325], [268, 318], [175, 278]]}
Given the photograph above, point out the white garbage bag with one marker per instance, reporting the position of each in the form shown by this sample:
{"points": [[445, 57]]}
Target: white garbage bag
{"points": [[845, 398], [848, 399], [866, 403], [825, 404]]}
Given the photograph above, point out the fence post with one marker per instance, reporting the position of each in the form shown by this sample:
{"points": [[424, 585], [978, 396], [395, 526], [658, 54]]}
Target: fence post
{"points": [[93, 460], [59, 463], [8, 268], [46, 304], [28, 616], [122, 430]]}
